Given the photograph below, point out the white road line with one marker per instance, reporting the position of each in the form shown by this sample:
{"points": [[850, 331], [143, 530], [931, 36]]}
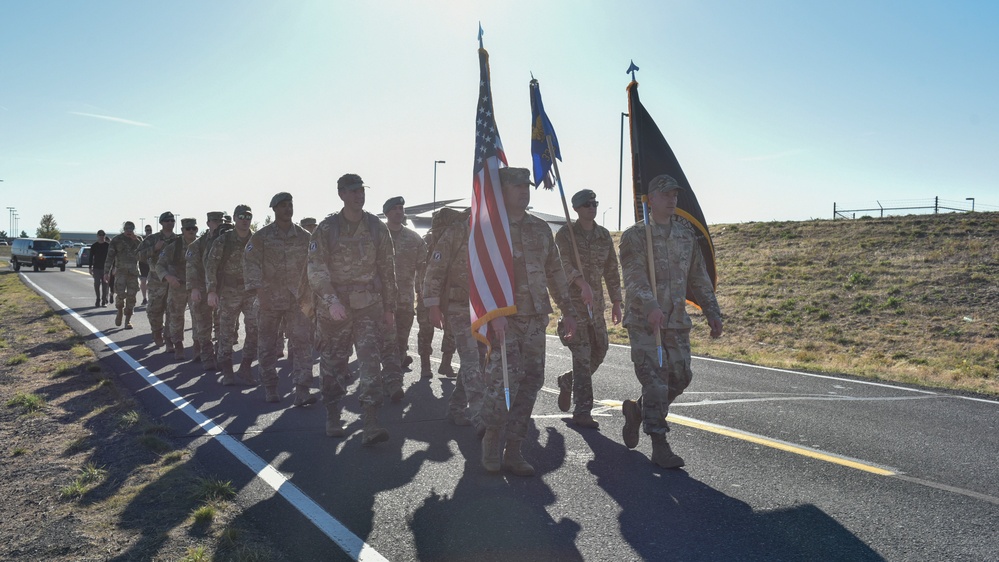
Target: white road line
{"points": [[350, 543]]}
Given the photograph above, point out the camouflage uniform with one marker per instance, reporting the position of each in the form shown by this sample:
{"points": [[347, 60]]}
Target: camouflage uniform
{"points": [[446, 286], [425, 334], [589, 345], [272, 267], [358, 271], [157, 289], [173, 261], [224, 277], [202, 317], [123, 260], [679, 268], [537, 269], [410, 257]]}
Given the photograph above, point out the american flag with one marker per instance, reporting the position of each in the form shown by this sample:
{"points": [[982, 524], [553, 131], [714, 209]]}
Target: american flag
{"points": [[490, 253]]}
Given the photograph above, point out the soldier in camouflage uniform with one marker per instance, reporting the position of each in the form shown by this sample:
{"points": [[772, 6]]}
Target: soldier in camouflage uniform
{"points": [[201, 314], [679, 268], [273, 267], [599, 264], [445, 291], [352, 274], [537, 270], [171, 267], [227, 292], [425, 334], [156, 288], [410, 257], [123, 263], [309, 224]]}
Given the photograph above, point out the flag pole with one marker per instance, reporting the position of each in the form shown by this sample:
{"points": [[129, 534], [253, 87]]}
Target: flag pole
{"points": [[652, 271], [506, 372], [568, 221]]}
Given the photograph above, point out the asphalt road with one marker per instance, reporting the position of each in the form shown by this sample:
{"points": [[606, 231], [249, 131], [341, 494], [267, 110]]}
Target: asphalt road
{"points": [[781, 465]]}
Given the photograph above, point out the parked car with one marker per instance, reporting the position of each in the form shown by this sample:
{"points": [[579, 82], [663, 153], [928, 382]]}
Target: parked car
{"points": [[3, 243], [83, 257], [66, 244], [39, 253]]}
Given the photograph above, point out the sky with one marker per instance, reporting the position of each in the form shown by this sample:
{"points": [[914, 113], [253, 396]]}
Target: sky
{"points": [[776, 109]]}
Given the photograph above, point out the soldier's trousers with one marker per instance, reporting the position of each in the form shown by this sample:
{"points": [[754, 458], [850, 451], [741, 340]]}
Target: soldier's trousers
{"points": [[525, 354], [425, 334], [175, 306], [232, 303], [589, 348], [126, 285], [395, 343], [660, 385], [296, 327], [156, 292], [470, 387], [362, 330], [201, 323]]}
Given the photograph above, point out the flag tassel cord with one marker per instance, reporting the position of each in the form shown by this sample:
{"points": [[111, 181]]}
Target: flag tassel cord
{"points": [[506, 372], [568, 221]]}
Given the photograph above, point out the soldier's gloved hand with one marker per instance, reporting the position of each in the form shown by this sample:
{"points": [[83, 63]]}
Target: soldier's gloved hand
{"points": [[716, 327], [338, 312], [195, 296], [436, 316], [213, 299], [569, 326], [656, 318], [497, 327]]}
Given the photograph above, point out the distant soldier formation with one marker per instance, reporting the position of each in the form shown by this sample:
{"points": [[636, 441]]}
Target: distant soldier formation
{"points": [[352, 283]]}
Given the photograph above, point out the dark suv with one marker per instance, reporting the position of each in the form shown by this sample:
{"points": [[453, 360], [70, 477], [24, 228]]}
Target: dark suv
{"points": [[39, 253]]}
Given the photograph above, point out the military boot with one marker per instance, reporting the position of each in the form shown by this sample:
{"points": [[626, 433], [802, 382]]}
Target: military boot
{"points": [[303, 397], [491, 452], [565, 391], [514, 461], [168, 342], [208, 358], [662, 455], [334, 427], [584, 419], [178, 351], [228, 377], [117, 318], [158, 338], [632, 422], [128, 320], [271, 393], [371, 433], [244, 375], [197, 351], [425, 370], [446, 369], [407, 361]]}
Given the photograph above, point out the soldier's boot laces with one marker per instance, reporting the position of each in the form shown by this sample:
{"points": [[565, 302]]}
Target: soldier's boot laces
{"points": [[228, 377], [271, 393], [334, 427], [128, 321], [565, 391], [303, 397], [117, 318], [158, 338], [446, 368], [425, 371], [491, 449], [244, 375], [632, 422], [372, 433], [584, 419], [513, 460], [662, 455], [178, 351]]}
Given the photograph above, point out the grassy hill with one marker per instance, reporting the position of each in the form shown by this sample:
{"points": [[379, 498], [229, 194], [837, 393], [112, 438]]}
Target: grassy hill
{"points": [[910, 299]]}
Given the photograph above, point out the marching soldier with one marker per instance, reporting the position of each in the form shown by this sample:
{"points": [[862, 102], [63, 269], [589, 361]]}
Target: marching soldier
{"points": [[171, 267], [202, 320], [156, 288], [123, 264]]}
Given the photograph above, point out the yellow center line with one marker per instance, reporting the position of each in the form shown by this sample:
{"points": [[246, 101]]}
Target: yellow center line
{"points": [[767, 442]]}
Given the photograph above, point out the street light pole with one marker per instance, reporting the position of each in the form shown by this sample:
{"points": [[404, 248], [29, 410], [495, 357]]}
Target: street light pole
{"points": [[10, 220], [603, 220], [972, 199], [142, 223], [620, 177], [435, 180]]}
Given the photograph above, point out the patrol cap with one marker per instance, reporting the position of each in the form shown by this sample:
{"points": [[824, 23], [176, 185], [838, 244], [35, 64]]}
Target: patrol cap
{"points": [[277, 199], [663, 182], [243, 210], [227, 219], [129, 226], [352, 182], [515, 176], [187, 223], [215, 215], [166, 216], [392, 203], [100, 232], [583, 196], [308, 221]]}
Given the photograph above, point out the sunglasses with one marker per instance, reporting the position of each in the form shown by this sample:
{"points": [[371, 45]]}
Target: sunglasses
{"points": [[167, 220], [191, 228], [590, 204], [244, 216]]}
